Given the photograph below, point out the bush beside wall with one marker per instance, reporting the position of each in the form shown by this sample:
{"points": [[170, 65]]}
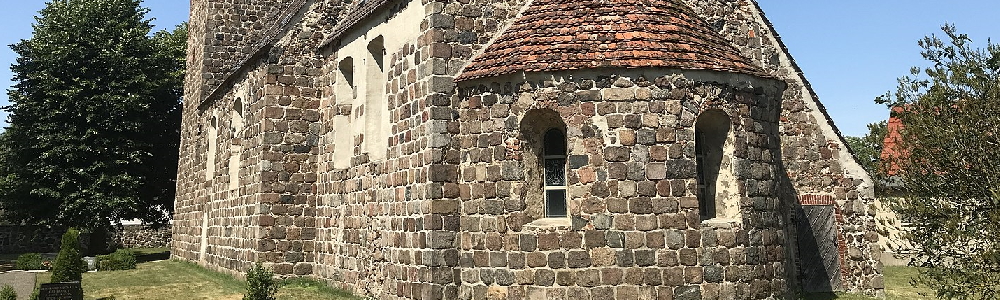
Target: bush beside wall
{"points": [[122, 259]]}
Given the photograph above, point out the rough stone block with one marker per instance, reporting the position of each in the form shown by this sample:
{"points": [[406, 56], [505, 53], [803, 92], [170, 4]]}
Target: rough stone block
{"points": [[566, 277], [645, 257], [656, 171], [612, 276], [618, 94], [578, 259], [693, 275], [603, 257], [537, 259], [544, 277], [687, 293], [616, 154], [641, 205], [679, 169]]}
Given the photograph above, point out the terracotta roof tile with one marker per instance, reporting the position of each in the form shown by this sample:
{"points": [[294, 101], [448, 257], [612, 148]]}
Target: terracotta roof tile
{"points": [[555, 35]]}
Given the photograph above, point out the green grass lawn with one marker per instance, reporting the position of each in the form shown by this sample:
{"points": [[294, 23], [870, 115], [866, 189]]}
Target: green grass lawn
{"points": [[897, 287], [171, 279]]}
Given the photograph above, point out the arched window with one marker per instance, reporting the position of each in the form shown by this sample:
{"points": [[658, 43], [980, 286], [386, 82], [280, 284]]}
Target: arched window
{"points": [[236, 119], [236, 147], [213, 137], [344, 132], [711, 132], [345, 81], [376, 107], [554, 162], [543, 132]]}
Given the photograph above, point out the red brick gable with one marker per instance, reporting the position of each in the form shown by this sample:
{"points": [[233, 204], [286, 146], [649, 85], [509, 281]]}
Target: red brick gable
{"points": [[556, 35], [892, 148]]}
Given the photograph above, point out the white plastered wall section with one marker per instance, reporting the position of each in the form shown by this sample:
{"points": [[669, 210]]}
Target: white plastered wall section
{"points": [[367, 96], [236, 114], [206, 208]]}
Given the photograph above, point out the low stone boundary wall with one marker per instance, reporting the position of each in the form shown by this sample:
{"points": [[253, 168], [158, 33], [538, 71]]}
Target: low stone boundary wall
{"points": [[139, 236], [26, 239], [16, 239]]}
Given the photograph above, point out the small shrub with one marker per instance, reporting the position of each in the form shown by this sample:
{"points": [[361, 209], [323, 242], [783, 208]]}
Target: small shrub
{"points": [[30, 261], [8, 293], [69, 264], [260, 284], [122, 259], [103, 262]]}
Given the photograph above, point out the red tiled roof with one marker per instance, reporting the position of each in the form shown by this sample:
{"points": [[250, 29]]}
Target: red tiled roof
{"points": [[555, 35]]}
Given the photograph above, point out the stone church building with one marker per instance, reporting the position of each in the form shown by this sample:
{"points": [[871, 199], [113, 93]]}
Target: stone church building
{"points": [[516, 149]]}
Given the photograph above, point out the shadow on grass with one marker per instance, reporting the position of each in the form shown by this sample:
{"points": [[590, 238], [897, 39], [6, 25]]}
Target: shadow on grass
{"points": [[143, 255], [819, 296], [835, 296], [142, 258], [318, 287]]}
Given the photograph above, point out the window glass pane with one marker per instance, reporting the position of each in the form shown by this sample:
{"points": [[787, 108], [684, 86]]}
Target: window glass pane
{"points": [[555, 172], [555, 142], [555, 203]]}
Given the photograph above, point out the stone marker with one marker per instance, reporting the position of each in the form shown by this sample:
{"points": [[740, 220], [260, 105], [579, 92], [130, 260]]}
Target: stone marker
{"points": [[61, 291]]}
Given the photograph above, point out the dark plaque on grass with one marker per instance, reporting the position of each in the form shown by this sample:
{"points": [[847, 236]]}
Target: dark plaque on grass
{"points": [[61, 291]]}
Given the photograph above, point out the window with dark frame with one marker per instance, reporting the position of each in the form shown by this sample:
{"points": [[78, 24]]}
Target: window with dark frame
{"points": [[706, 209], [554, 163]]}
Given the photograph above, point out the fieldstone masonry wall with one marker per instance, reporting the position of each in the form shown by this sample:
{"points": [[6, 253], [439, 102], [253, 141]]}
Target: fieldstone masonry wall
{"points": [[814, 155], [451, 211], [18, 239], [139, 236], [635, 230], [15, 239]]}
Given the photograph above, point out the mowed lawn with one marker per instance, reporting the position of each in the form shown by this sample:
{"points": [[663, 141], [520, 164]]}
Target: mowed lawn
{"points": [[170, 279], [897, 287]]}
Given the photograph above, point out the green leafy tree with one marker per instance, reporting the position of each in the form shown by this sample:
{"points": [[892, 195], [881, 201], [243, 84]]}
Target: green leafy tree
{"points": [[94, 119], [69, 265], [949, 165], [868, 148]]}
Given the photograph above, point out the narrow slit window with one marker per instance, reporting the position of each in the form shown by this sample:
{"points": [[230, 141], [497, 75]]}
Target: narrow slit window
{"points": [[554, 162], [375, 104], [703, 197], [236, 147], [346, 91]]}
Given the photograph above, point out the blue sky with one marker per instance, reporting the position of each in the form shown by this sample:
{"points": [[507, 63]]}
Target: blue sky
{"points": [[850, 50]]}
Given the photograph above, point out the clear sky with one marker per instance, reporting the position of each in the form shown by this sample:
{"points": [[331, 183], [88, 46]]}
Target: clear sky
{"points": [[850, 50]]}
